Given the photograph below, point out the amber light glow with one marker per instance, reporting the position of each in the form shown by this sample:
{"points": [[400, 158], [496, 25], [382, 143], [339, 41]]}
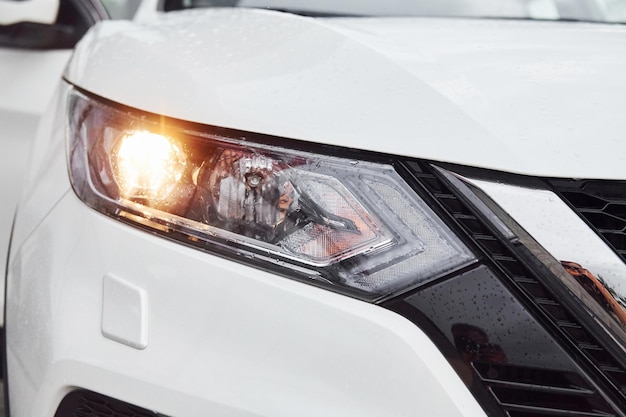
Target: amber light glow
{"points": [[147, 166]]}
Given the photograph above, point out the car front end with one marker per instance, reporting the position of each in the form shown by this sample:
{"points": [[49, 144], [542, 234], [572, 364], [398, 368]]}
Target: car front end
{"points": [[247, 212]]}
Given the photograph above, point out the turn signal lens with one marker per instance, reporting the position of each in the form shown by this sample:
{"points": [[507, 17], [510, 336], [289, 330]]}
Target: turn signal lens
{"points": [[351, 225]]}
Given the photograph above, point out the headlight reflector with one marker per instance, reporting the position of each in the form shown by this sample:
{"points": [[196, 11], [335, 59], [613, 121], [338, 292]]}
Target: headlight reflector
{"points": [[354, 226], [147, 166]]}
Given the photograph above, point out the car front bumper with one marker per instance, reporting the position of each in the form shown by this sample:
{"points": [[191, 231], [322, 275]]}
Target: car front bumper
{"points": [[96, 304]]}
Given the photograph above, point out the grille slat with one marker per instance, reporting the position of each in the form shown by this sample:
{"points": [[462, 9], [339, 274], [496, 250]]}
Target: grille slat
{"points": [[539, 388], [529, 411], [541, 391]]}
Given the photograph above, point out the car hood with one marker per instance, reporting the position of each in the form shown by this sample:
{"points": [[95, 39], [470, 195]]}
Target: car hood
{"points": [[537, 98]]}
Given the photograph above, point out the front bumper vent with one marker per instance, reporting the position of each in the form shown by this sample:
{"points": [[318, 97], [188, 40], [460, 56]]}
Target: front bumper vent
{"points": [[83, 403], [525, 392]]}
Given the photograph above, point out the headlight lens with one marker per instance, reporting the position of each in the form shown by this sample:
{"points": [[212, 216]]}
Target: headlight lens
{"points": [[352, 225]]}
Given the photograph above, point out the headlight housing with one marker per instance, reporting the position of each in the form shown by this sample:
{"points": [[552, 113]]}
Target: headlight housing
{"points": [[351, 225]]}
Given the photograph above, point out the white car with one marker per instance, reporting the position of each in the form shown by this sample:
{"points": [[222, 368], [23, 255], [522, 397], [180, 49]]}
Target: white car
{"points": [[286, 208]]}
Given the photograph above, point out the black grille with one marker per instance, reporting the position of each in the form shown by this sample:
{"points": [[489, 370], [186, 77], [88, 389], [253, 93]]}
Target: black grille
{"points": [[602, 204], [83, 403], [523, 396], [533, 288]]}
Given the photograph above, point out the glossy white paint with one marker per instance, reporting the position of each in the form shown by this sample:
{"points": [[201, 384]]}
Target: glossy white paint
{"points": [[223, 338], [27, 81], [508, 95]]}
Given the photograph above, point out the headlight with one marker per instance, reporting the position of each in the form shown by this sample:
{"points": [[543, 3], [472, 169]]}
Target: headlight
{"points": [[352, 225]]}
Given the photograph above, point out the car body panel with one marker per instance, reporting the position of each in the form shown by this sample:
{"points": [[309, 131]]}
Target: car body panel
{"points": [[27, 81], [222, 338], [521, 90]]}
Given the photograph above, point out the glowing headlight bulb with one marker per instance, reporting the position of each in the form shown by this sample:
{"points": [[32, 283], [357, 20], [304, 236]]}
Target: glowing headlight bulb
{"points": [[147, 167]]}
